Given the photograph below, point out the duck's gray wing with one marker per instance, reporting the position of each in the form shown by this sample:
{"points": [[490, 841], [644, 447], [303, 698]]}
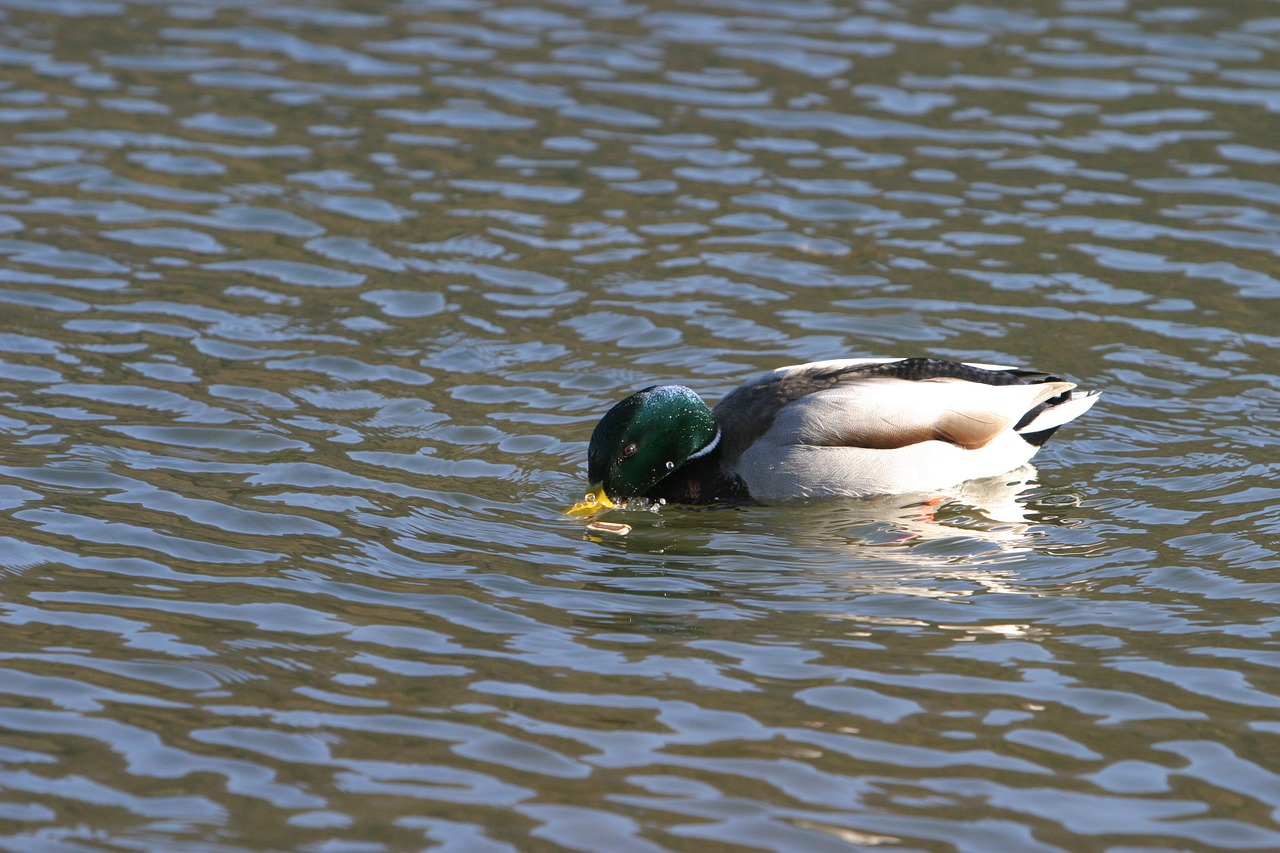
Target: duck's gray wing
{"points": [[882, 404]]}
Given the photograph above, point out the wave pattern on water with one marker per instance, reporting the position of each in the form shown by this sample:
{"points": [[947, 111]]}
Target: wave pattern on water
{"points": [[308, 313]]}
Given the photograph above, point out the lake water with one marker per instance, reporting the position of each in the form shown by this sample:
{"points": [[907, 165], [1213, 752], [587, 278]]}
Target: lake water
{"points": [[309, 310]]}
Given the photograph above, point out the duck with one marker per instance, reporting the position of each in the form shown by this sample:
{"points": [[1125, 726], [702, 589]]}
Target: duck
{"points": [[851, 427]]}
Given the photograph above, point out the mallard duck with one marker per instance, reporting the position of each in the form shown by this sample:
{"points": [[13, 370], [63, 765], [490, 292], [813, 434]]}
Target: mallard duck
{"points": [[846, 427]]}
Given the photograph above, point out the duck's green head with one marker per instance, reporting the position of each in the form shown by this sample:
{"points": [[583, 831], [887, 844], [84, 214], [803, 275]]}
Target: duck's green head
{"points": [[643, 439]]}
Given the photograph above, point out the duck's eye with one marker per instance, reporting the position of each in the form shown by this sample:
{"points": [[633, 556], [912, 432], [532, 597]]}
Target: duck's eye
{"points": [[671, 466], [628, 451]]}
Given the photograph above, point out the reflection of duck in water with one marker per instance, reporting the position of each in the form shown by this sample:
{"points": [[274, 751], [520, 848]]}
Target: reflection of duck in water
{"points": [[992, 511], [976, 519], [951, 543], [850, 427]]}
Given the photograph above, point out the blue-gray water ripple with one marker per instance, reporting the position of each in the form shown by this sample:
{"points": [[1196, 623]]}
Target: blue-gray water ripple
{"points": [[308, 314]]}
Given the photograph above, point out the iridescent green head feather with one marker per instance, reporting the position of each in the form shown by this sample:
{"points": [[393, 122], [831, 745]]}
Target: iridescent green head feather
{"points": [[646, 437]]}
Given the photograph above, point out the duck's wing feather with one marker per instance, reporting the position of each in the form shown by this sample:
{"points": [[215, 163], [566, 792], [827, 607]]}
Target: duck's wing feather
{"points": [[887, 403], [884, 413]]}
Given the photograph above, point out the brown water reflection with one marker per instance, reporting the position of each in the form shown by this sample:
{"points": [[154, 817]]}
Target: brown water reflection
{"points": [[309, 311]]}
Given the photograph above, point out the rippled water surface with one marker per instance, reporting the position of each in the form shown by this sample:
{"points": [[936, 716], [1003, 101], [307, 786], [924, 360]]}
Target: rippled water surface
{"points": [[309, 309]]}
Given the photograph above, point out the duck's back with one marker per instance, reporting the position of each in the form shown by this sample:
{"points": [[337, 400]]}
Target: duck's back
{"points": [[880, 426]]}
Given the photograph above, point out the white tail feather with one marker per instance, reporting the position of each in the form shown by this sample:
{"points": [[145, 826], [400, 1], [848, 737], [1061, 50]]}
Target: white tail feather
{"points": [[1073, 407]]}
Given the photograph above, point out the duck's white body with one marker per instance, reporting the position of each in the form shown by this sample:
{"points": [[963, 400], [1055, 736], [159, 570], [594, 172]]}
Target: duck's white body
{"points": [[867, 434]]}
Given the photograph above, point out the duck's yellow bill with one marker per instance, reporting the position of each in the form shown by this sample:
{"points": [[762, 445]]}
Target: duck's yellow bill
{"points": [[594, 501]]}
